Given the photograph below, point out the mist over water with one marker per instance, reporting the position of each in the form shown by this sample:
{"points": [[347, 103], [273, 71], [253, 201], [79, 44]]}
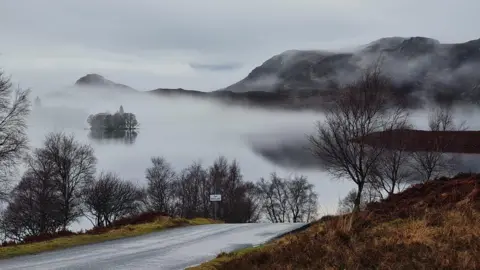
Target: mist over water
{"points": [[182, 130]]}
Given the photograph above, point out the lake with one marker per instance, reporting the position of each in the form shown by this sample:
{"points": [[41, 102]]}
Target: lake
{"points": [[182, 130]]}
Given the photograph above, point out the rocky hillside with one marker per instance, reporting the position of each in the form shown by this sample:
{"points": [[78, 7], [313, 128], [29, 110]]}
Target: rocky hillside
{"points": [[422, 68]]}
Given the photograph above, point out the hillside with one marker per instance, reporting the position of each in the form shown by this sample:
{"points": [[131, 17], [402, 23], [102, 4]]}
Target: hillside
{"points": [[422, 69], [97, 81], [435, 225]]}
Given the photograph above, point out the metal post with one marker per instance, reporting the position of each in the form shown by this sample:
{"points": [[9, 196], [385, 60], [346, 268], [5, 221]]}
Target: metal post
{"points": [[215, 203], [215, 210]]}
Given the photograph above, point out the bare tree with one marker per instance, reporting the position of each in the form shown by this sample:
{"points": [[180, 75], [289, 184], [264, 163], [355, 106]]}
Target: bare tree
{"points": [[287, 200], [302, 199], [110, 198], [14, 109], [74, 168], [131, 122], [434, 163], [160, 177], [248, 207], [364, 108], [33, 209], [189, 202], [238, 204], [393, 172], [217, 178], [274, 198]]}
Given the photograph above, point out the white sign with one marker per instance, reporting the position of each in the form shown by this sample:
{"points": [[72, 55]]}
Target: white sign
{"points": [[215, 197]]}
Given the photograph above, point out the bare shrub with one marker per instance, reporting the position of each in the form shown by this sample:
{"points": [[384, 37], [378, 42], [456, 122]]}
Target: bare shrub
{"points": [[160, 191], [287, 200], [110, 198]]}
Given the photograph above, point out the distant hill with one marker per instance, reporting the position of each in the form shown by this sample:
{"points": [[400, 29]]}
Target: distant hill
{"points": [[95, 80], [422, 69]]}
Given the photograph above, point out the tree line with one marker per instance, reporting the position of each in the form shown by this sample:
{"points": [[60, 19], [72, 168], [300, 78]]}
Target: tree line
{"points": [[60, 186], [60, 183], [365, 107]]}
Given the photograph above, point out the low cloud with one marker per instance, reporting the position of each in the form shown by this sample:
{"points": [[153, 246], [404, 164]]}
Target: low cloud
{"points": [[215, 67]]}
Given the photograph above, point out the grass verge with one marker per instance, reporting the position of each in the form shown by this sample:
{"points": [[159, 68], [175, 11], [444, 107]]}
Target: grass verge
{"points": [[450, 240], [82, 239], [224, 258], [431, 226]]}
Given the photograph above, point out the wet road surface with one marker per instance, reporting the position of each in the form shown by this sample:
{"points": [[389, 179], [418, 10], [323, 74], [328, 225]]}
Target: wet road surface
{"points": [[169, 249]]}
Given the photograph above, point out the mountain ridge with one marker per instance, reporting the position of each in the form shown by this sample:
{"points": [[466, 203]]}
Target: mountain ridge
{"points": [[415, 64], [422, 69]]}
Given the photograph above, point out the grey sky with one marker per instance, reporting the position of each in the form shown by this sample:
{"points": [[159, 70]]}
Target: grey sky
{"points": [[151, 43]]}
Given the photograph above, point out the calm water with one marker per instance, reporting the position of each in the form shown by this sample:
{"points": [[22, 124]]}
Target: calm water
{"points": [[183, 131]]}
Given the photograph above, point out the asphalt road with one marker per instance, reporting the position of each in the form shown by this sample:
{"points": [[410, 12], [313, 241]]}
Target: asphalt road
{"points": [[170, 249]]}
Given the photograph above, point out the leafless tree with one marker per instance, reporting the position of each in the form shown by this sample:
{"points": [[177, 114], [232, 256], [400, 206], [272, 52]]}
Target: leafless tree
{"points": [[393, 172], [274, 198], [110, 198], [217, 179], [14, 109], [189, 202], [363, 108], [33, 208], [347, 204], [237, 205], [248, 207], [160, 177], [194, 185], [74, 168], [434, 163], [287, 200], [131, 122], [302, 200]]}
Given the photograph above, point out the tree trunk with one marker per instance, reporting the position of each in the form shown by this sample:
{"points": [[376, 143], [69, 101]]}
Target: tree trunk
{"points": [[358, 198]]}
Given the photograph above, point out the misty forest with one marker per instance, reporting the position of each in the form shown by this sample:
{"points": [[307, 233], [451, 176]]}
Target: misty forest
{"points": [[69, 181]]}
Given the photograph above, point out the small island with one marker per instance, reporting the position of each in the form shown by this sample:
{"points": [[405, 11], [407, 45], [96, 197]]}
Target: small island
{"points": [[118, 126], [113, 122]]}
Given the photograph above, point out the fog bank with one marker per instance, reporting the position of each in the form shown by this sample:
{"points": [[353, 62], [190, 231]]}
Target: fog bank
{"points": [[182, 130]]}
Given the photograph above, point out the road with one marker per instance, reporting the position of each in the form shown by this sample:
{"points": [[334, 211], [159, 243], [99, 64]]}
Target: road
{"points": [[168, 250]]}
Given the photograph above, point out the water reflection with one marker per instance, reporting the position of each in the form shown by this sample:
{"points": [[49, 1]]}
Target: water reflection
{"points": [[116, 136]]}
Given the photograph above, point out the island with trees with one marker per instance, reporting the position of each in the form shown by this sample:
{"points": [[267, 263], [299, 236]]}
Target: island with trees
{"points": [[113, 122], [118, 126]]}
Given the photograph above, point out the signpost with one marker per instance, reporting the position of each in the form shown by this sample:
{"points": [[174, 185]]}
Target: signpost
{"points": [[214, 198]]}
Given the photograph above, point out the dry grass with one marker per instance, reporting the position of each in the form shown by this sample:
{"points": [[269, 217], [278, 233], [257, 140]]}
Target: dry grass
{"points": [[454, 243], [82, 239], [420, 232]]}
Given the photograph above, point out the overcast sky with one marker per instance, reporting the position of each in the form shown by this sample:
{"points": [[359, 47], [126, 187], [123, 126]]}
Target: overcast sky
{"points": [[201, 44]]}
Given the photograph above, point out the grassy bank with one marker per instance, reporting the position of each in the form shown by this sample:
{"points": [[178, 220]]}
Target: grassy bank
{"points": [[430, 226], [116, 233]]}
